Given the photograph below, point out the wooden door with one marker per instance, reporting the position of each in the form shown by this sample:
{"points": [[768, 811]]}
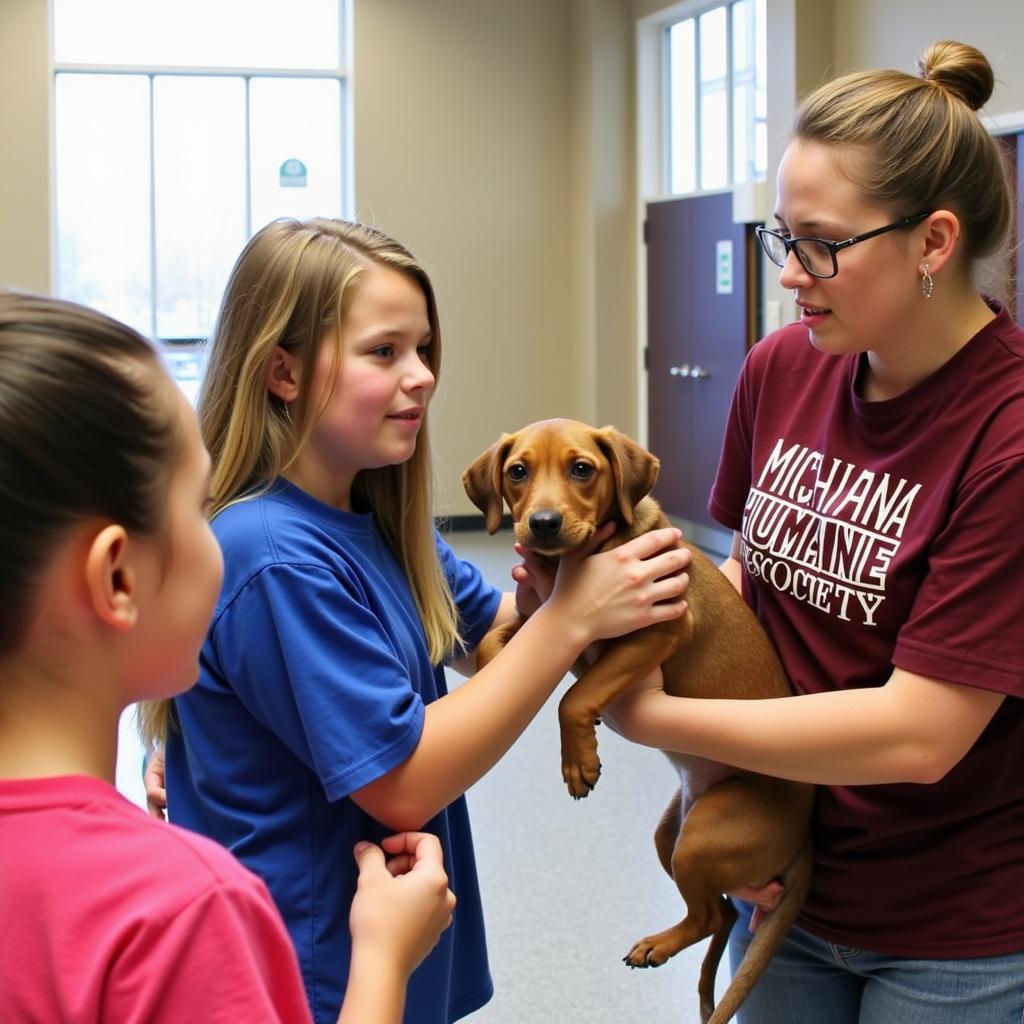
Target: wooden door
{"points": [[697, 337]]}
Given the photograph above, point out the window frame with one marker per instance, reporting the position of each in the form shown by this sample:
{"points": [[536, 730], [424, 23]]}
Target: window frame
{"points": [[693, 12], [341, 74]]}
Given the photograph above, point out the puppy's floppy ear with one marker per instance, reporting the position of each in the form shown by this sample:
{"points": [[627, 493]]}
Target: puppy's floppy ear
{"points": [[634, 469], [482, 481]]}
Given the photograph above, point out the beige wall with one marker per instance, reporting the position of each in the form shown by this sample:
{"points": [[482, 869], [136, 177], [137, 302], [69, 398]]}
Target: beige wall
{"points": [[603, 184], [463, 152], [24, 145], [497, 140], [881, 33]]}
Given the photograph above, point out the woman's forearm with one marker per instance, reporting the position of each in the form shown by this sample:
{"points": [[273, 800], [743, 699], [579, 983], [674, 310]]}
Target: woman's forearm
{"points": [[733, 572], [913, 729]]}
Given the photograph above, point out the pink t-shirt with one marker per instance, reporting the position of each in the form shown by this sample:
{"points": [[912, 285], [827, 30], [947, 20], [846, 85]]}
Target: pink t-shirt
{"points": [[882, 534], [109, 915]]}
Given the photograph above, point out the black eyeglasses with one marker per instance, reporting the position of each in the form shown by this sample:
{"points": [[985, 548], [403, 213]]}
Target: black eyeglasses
{"points": [[818, 255]]}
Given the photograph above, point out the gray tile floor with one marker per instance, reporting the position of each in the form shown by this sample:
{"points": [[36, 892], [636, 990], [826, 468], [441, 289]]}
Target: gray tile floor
{"points": [[569, 886]]}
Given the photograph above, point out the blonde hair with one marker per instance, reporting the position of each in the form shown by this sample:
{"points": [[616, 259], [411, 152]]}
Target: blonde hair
{"points": [[921, 146], [294, 281]]}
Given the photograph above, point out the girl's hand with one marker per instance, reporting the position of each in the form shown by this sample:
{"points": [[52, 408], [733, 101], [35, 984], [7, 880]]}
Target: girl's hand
{"points": [[402, 903], [634, 585], [534, 582], [154, 778]]}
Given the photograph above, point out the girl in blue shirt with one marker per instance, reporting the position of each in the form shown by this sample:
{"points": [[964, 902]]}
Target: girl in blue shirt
{"points": [[321, 716]]}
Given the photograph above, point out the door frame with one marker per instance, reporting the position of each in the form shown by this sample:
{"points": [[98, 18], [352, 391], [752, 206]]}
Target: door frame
{"points": [[751, 204], [754, 200]]}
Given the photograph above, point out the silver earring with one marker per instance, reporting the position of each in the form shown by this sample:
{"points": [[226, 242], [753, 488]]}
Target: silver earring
{"points": [[927, 284]]}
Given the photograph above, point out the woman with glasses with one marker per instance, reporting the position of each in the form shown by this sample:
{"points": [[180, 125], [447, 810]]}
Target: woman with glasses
{"points": [[873, 473]]}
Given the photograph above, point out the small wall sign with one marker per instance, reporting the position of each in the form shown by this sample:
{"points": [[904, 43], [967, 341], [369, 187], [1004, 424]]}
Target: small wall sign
{"points": [[292, 174], [723, 267]]}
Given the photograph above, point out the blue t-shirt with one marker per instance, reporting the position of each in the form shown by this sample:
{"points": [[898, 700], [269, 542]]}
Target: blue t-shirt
{"points": [[314, 677]]}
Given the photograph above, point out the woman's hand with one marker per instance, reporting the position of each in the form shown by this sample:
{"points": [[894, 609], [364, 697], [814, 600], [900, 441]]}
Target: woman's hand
{"points": [[402, 902], [631, 586], [154, 778], [764, 899]]}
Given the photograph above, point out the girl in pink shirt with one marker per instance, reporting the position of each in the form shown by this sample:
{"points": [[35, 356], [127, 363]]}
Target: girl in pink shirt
{"points": [[109, 575]]}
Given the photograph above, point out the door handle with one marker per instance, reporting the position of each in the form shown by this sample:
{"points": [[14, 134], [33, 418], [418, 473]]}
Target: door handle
{"points": [[686, 370]]}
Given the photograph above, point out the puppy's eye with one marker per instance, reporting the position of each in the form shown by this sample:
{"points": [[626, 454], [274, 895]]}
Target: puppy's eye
{"points": [[516, 472], [581, 470]]}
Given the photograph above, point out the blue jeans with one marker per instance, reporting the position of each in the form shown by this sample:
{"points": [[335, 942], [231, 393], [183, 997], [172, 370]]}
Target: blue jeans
{"points": [[811, 981]]}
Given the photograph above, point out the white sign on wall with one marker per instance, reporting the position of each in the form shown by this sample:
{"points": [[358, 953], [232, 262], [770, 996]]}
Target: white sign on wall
{"points": [[723, 267]]}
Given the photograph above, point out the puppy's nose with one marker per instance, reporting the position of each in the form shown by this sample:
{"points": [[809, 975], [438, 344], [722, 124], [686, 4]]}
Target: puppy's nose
{"points": [[545, 524]]}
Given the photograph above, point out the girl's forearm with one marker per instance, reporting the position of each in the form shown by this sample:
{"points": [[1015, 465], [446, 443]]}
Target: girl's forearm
{"points": [[375, 992], [467, 731], [506, 612]]}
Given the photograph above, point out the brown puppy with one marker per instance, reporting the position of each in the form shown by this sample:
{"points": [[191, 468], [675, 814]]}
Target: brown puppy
{"points": [[725, 829]]}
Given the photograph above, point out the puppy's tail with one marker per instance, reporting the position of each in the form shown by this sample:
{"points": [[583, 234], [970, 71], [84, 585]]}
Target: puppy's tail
{"points": [[768, 937]]}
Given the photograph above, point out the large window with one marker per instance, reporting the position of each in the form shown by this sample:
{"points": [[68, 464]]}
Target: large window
{"points": [[182, 128], [717, 100]]}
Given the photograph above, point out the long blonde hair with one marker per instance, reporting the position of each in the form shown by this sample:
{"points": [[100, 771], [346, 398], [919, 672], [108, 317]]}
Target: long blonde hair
{"points": [[292, 282], [920, 144]]}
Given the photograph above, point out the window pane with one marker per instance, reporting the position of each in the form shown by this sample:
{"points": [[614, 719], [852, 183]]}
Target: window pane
{"points": [[186, 364], [744, 58], [682, 106], [199, 192], [296, 147], [742, 135], [760, 90], [712, 45], [714, 135], [714, 112], [742, 36], [224, 33], [102, 176]]}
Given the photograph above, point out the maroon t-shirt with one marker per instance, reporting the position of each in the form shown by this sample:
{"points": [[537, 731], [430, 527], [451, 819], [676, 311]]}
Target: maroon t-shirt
{"points": [[891, 534]]}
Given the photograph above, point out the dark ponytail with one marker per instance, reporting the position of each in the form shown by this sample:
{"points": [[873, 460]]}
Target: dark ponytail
{"points": [[86, 431]]}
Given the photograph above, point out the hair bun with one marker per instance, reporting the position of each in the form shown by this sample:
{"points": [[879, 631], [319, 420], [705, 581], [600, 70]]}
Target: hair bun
{"points": [[960, 69]]}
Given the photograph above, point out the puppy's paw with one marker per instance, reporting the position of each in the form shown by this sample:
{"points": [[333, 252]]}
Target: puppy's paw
{"points": [[654, 950], [581, 767], [643, 955], [581, 778]]}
